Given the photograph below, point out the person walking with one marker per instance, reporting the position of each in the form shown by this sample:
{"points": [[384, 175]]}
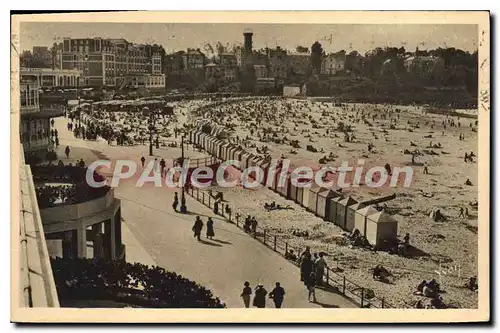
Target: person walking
{"points": [[254, 224], [210, 228], [306, 267], [277, 295], [162, 166], [176, 202], [320, 265], [67, 151], [311, 287], [259, 300], [245, 294], [198, 226], [143, 160]]}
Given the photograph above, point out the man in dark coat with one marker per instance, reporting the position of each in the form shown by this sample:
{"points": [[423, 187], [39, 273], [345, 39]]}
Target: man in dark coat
{"points": [[176, 202], [259, 299], [277, 294], [198, 225]]}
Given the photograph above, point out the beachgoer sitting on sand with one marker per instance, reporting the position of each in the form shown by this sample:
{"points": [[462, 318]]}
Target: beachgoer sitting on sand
{"points": [[468, 182], [354, 234], [420, 287], [438, 216], [437, 303], [381, 273], [472, 284]]}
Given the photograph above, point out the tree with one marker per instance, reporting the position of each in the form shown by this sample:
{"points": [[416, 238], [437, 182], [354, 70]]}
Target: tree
{"points": [[316, 56], [26, 59]]}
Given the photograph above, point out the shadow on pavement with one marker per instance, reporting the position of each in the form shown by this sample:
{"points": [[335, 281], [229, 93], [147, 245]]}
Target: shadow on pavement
{"points": [[214, 217], [222, 242], [209, 243], [324, 305]]}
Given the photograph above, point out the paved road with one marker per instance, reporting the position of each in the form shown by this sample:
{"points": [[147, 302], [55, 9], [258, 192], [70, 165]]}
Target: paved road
{"points": [[222, 265]]}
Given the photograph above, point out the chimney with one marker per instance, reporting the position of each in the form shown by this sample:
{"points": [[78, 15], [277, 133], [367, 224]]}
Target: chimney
{"points": [[248, 41]]}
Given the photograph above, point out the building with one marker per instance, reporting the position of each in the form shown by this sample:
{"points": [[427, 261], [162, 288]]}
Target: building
{"points": [[173, 63], [193, 59], [424, 65], [51, 78], [155, 81], [261, 71], [240, 57], [94, 57], [34, 126], [214, 72], [227, 60], [155, 56], [230, 73], [112, 62], [89, 228], [333, 63], [265, 84], [219, 74], [299, 63], [278, 64]]}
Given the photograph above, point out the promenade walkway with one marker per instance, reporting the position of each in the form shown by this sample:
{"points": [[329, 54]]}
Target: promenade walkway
{"points": [[154, 233]]}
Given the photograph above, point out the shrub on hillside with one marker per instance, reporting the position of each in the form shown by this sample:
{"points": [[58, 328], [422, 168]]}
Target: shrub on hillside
{"points": [[138, 284]]}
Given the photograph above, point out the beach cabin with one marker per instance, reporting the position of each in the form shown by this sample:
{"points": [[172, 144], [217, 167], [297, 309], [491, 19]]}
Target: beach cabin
{"points": [[224, 150], [209, 144], [274, 181], [360, 219], [202, 140], [293, 190], [218, 148], [341, 213], [351, 214], [191, 136], [310, 200], [237, 154], [231, 152], [380, 228], [334, 202], [324, 197], [215, 147], [285, 190], [197, 137], [206, 142], [265, 167], [244, 160]]}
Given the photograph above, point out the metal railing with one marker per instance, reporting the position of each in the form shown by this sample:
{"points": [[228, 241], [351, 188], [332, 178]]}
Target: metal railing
{"points": [[331, 278]]}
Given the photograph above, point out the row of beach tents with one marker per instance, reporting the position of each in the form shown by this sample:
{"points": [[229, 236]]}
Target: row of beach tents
{"points": [[378, 227]]}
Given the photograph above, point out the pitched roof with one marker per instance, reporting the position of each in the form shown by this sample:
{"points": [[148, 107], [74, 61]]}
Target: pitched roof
{"points": [[381, 217]]}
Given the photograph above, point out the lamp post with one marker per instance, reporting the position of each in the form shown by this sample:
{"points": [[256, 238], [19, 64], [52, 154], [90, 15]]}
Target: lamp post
{"points": [[183, 198], [151, 127]]}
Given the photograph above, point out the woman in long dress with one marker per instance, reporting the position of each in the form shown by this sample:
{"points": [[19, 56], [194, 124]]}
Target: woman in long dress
{"points": [[210, 228]]}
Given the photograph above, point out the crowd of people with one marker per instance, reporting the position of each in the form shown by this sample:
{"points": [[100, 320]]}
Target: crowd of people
{"points": [[64, 184], [49, 196]]}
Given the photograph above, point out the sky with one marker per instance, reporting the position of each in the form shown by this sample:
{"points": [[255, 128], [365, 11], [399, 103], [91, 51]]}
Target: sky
{"points": [[180, 36]]}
